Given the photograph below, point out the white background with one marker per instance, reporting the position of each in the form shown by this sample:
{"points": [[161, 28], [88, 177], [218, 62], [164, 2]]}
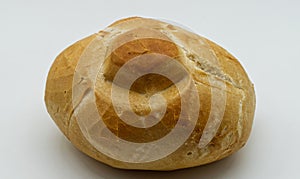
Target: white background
{"points": [[263, 35]]}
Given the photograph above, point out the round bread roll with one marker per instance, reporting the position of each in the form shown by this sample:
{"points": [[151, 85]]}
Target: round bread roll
{"points": [[144, 94]]}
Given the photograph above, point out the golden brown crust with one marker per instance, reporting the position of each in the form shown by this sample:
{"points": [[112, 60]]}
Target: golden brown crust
{"points": [[134, 43], [58, 95], [240, 98], [123, 20]]}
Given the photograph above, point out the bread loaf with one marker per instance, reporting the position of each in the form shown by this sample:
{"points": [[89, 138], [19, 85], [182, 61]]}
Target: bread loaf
{"points": [[145, 94]]}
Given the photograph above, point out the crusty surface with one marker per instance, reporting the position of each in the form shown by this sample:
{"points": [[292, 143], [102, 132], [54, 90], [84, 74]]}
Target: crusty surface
{"points": [[180, 45]]}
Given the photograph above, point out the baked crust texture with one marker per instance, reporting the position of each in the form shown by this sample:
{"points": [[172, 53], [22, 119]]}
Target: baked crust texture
{"points": [[225, 96]]}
